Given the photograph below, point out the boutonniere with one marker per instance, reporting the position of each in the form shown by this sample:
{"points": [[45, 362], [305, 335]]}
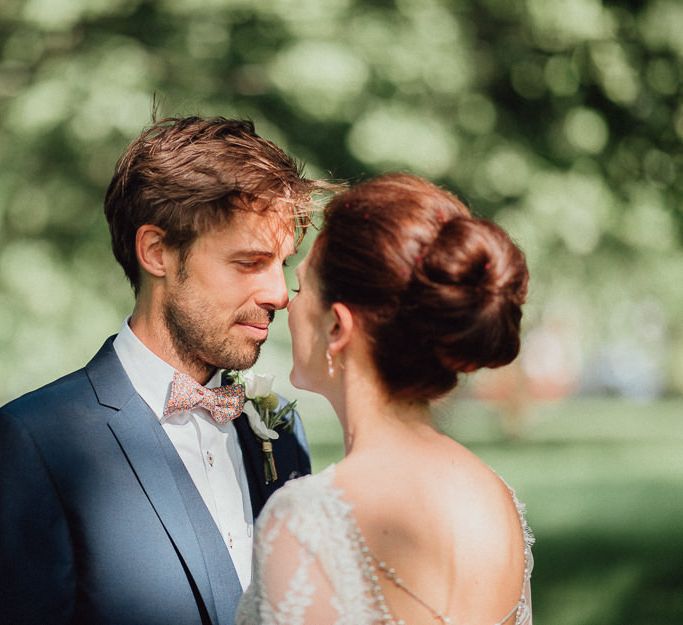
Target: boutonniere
{"points": [[265, 415]]}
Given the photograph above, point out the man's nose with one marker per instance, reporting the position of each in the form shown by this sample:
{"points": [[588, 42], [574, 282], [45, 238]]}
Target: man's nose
{"points": [[274, 293]]}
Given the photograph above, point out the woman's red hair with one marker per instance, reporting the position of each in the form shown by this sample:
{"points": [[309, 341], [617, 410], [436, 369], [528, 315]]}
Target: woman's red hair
{"points": [[437, 290]]}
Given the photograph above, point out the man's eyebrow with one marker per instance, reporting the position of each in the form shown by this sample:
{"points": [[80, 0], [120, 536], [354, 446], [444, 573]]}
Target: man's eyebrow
{"points": [[252, 253]]}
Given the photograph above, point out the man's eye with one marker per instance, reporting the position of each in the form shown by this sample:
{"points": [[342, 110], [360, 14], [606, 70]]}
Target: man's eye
{"points": [[296, 290], [248, 264]]}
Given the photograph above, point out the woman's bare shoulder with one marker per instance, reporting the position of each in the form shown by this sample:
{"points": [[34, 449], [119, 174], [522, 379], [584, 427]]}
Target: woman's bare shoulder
{"points": [[442, 516], [462, 497]]}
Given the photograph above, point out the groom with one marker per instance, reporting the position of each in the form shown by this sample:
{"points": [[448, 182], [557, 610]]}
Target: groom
{"points": [[128, 489]]}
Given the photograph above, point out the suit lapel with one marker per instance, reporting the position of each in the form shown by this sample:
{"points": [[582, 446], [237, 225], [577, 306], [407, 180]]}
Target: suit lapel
{"points": [[168, 486], [134, 427], [223, 578]]}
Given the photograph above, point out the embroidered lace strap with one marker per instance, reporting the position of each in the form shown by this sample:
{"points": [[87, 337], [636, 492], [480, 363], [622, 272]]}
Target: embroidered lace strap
{"points": [[529, 538], [523, 608]]}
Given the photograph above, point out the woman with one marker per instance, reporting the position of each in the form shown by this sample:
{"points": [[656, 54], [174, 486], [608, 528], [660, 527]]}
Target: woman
{"points": [[402, 291]]}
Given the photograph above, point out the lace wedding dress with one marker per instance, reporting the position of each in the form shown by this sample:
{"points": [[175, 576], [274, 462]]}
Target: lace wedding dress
{"points": [[311, 564]]}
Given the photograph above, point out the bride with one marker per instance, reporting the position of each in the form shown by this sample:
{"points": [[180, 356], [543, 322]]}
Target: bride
{"points": [[402, 291]]}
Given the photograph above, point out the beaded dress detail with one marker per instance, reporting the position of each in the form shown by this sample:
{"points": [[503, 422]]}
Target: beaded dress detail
{"points": [[311, 564]]}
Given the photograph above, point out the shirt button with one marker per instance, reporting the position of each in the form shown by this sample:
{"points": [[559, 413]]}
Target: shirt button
{"points": [[209, 458]]}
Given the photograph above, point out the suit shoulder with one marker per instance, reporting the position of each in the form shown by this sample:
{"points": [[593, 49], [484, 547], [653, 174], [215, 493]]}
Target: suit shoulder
{"points": [[73, 387]]}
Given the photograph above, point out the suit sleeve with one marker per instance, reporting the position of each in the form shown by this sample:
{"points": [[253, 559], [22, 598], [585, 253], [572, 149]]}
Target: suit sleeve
{"points": [[36, 555]]}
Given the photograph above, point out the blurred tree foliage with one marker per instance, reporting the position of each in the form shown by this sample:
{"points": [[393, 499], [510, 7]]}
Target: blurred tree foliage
{"points": [[563, 120]]}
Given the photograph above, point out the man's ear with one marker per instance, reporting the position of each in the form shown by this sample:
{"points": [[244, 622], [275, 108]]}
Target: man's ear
{"points": [[340, 328], [149, 249]]}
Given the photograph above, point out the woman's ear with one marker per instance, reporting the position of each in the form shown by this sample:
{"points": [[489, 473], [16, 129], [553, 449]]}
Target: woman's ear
{"points": [[340, 328], [149, 248]]}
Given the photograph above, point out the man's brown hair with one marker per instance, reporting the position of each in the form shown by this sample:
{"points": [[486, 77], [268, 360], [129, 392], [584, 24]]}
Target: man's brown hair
{"points": [[186, 174]]}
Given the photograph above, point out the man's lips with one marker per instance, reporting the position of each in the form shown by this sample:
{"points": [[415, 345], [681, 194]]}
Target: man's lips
{"points": [[258, 328], [263, 325]]}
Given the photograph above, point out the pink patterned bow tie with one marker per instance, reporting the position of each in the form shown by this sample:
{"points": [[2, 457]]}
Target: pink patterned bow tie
{"points": [[225, 403]]}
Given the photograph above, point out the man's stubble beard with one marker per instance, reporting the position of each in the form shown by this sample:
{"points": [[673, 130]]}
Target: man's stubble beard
{"points": [[197, 342]]}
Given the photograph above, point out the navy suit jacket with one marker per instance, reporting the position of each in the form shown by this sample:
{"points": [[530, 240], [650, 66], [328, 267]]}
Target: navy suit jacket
{"points": [[100, 522]]}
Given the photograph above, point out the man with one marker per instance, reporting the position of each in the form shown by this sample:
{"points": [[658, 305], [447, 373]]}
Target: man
{"points": [[129, 487]]}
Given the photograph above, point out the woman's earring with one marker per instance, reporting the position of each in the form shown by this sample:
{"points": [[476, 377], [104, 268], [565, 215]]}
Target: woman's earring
{"points": [[330, 364]]}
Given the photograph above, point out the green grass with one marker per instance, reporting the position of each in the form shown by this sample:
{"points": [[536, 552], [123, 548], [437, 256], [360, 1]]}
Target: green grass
{"points": [[603, 482]]}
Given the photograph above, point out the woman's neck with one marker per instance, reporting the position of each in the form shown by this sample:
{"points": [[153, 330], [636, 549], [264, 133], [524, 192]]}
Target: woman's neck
{"points": [[371, 418]]}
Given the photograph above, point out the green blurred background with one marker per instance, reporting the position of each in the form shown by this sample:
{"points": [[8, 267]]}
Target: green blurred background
{"points": [[563, 120]]}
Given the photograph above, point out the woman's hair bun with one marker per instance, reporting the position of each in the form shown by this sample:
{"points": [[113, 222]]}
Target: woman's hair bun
{"points": [[438, 292], [471, 283]]}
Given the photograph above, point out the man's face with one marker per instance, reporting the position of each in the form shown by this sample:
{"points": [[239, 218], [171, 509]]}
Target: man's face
{"points": [[218, 308]]}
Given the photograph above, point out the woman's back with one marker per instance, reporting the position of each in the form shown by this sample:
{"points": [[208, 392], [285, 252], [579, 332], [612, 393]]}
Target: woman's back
{"points": [[446, 524], [450, 530]]}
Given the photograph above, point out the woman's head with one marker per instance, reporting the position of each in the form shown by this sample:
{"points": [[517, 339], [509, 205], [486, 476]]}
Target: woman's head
{"points": [[435, 291]]}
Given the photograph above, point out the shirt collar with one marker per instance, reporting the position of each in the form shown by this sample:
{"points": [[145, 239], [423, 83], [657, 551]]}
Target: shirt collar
{"points": [[150, 375]]}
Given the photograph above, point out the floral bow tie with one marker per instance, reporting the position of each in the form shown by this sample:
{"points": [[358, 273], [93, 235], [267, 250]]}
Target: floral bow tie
{"points": [[225, 403]]}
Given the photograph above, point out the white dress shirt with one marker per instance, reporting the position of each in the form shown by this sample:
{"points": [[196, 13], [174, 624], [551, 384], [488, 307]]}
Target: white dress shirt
{"points": [[210, 451]]}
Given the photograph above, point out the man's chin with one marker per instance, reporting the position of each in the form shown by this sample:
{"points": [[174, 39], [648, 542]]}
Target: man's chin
{"points": [[245, 360]]}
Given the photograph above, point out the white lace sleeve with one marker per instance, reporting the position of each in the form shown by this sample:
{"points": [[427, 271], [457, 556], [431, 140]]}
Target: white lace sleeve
{"points": [[306, 564]]}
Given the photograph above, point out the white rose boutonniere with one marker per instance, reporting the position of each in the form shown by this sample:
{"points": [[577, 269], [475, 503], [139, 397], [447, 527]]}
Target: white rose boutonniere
{"points": [[265, 415]]}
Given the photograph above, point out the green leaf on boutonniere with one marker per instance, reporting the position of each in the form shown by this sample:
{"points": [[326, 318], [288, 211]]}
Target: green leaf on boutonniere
{"points": [[265, 417]]}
